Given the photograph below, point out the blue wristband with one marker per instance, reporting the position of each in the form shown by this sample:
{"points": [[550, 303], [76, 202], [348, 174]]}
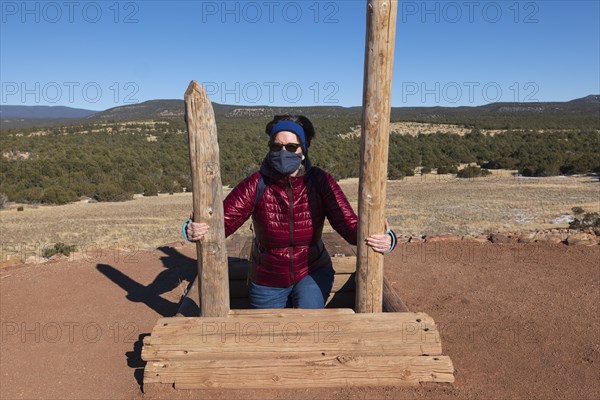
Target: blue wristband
{"points": [[184, 229], [394, 240]]}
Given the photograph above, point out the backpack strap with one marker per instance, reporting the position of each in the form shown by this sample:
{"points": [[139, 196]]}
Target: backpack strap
{"points": [[313, 180], [312, 183], [260, 189]]}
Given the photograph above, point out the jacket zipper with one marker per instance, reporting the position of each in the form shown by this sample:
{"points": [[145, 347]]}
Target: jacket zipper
{"points": [[291, 201]]}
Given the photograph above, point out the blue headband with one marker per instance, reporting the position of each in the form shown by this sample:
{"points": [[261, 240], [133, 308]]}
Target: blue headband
{"points": [[290, 126]]}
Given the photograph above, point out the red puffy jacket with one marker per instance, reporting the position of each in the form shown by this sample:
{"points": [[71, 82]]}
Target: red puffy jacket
{"points": [[288, 223]]}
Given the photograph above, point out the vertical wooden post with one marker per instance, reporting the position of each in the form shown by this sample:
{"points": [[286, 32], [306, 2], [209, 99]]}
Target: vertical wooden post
{"points": [[379, 57], [208, 202]]}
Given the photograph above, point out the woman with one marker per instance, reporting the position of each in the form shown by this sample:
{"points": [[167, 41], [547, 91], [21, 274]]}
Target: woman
{"points": [[288, 200]]}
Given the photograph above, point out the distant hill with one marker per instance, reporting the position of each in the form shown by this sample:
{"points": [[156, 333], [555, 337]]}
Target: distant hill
{"points": [[146, 110], [585, 105], [154, 109], [23, 116], [588, 104], [593, 98], [43, 112], [175, 108]]}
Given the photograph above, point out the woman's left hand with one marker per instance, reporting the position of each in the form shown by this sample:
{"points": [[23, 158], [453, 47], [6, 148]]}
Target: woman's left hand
{"points": [[381, 243]]}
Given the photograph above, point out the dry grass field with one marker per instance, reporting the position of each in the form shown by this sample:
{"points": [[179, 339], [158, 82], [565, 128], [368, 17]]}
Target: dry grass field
{"points": [[428, 204]]}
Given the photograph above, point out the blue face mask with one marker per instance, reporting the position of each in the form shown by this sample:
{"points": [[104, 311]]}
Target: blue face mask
{"points": [[284, 162]]}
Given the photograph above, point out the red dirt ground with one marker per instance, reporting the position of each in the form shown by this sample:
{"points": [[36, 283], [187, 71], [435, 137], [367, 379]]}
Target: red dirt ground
{"points": [[518, 321]]}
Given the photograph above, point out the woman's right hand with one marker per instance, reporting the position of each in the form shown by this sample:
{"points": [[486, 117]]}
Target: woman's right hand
{"points": [[196, 230]]}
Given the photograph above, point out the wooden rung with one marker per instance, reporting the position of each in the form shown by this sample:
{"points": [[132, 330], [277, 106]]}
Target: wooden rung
{"points": [[247, 337], [238, 289], [288, 312], [344, 265], [344, 321], [334, 301], [376, 347], [238, 268], [328, 370]]}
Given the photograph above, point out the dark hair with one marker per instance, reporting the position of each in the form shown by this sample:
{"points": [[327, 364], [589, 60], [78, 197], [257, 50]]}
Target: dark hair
{"points": [[308, 127]]}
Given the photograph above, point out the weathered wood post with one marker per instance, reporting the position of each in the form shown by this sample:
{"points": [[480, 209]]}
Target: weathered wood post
{"points": [[208, 202], [379, 57]]}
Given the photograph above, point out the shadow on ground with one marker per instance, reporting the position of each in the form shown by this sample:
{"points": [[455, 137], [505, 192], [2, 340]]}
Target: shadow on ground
{"points": [[177, 268]]}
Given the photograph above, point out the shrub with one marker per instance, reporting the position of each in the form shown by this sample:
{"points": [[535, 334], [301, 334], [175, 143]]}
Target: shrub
{"points": [[177, 188], [150, 188], [577, 210], [30, 195], [58, 195], [58, 248], [111, 192], [3, 200], [169, 185], [588, 220], [546, 170], [491, 165], [185, 184], [134, 187], [527, 171], [567, 169], [84, 189], [472, 172], [394, 173], [408, 171], [447, 169]]}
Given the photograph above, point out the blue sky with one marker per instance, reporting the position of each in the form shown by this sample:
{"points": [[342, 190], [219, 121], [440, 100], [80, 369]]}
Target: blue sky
{"points": [[102, 54]]}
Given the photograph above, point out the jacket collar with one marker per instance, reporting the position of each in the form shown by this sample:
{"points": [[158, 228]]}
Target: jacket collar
{"points": [[282, 180]]}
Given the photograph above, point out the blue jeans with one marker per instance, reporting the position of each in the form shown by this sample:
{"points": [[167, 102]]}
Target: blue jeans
{"points": [[311, 292]]}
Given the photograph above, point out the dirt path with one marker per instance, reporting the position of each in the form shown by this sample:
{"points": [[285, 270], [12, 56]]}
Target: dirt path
{"points": [[518, 321]]}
